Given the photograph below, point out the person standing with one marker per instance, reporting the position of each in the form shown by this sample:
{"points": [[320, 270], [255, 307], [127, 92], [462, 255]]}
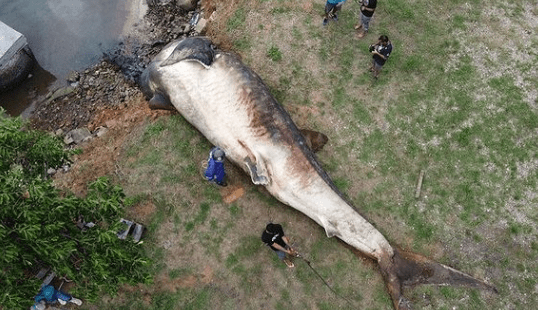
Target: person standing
{"points": [[367, 11], [215, 167], [273, 236], [331, 7], [380, 53]]}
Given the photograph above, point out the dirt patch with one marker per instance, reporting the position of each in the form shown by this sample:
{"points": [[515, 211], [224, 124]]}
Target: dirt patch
{"points": [[99, 156]]}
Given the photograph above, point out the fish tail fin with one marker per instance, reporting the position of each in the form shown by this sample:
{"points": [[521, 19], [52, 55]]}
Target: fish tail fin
{"points": [[410, 269]]}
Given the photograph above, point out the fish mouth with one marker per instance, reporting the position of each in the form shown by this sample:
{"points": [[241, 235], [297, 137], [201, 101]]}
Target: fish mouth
{"points": [[406, 270]]}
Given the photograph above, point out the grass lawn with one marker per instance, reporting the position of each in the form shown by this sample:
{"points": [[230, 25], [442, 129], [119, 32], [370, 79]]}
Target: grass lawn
{"points": [[457, 99]]}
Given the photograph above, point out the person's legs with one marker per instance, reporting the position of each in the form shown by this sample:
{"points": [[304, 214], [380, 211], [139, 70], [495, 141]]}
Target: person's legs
{"points": [[328, 8], [337, 8], [364, 25], [282, 256], [376, 69]]}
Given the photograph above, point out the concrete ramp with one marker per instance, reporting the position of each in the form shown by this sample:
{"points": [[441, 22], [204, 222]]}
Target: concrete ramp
{"points": [[16, 58], [11, 42]]}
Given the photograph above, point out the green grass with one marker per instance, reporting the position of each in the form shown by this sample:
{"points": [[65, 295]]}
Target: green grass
{"points": [[451, 101], [274, 53], [237, 20]]}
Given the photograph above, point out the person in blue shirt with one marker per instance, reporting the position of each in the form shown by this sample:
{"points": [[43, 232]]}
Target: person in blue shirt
{"points": [[48, 294], [215, 167], [380, 53], [331, 7]]}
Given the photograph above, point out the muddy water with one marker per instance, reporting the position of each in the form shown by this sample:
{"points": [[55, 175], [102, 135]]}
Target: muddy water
{"points": [[64, 35]]}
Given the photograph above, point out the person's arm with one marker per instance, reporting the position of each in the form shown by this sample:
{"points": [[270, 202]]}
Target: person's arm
{"points": [[379, 54], [364, 7], [210, 170], [281, 248]]}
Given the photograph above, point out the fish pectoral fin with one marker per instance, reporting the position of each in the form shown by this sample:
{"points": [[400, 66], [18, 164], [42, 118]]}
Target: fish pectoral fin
{"points": [[160, 102], [330, 227], [257, 177]]}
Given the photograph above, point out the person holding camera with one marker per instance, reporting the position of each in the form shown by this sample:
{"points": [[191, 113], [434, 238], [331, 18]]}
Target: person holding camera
{"points": [[380, 53], [367, 11]]}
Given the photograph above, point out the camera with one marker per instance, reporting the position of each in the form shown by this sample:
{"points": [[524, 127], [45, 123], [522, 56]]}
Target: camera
{"points": [[371, 48]]}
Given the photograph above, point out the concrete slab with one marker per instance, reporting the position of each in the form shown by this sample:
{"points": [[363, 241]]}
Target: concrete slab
{"points": [[11, 42]]}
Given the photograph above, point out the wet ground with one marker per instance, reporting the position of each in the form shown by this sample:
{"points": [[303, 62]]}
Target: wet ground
{"points": [[65, 35]]}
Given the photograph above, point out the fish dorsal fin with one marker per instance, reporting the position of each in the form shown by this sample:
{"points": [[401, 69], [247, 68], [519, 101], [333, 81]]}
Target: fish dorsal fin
{"points": [[198, 49], [315, 140]]}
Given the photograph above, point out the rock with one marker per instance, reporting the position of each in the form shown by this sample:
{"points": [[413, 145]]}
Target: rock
{"points": [[186, 5], [51, 171], [184, 28], [73, 76], [77, 136], [61, 92], [101, 131], [200, 27], [68, 140]]}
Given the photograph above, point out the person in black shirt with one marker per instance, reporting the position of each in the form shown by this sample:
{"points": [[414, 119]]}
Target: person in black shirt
{"points": [[273, 236], [367, 11], [380, 53]]}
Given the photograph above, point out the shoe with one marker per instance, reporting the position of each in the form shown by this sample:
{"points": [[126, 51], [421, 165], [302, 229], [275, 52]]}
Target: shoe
{"points": [[361, 35], [325, 21], [358, 26], [289, 263], [335, 17], [76, 301]]}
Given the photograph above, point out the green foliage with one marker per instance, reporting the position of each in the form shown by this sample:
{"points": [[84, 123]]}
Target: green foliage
{"points": [[34, 151], [38, 226], [237, 20], [242, 44], [274, 53]]}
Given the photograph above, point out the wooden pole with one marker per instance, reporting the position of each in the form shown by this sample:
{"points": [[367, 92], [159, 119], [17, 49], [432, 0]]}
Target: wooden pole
{"points": [[419, 184]]}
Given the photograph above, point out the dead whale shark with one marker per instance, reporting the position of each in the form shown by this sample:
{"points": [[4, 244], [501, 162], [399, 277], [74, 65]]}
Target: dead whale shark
{"points": [[233, 108]]}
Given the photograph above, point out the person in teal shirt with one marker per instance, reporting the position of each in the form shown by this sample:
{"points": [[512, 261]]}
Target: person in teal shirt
{"points": [[331, 7]]}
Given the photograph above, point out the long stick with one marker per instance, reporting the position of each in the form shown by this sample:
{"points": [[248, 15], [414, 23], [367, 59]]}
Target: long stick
{"points": [[419, 184], [319, 276]]}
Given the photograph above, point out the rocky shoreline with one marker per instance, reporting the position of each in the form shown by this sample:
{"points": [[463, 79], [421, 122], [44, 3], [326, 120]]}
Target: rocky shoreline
{"points": [[112, 83]]}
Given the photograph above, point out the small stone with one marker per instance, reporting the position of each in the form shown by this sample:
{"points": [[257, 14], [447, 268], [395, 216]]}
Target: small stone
{"points": [[101, 131], [73, 76], [200, 27], [77, 135]]}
